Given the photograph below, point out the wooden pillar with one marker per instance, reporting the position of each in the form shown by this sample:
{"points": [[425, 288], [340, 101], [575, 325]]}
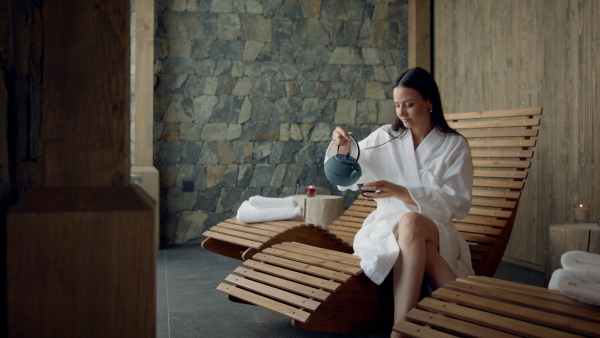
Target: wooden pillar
{"points": [[419, 34], [144, 106], [80, 250]]}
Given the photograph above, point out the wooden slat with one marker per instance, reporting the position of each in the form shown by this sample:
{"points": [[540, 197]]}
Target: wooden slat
{"points": [[362, 215], [537, 316], [487, 133], [349, 230], [311, 269], [247, 229], [514, 174], [489, 320], [502, 153], [365, 209], [526, 301], [494, 203], [314, 261], [498, 223], [523, 143], [494, 113], [314, 252], [346, 256], [232, 239], [293, 275], [452, 325], [240, 234], [520, 164], [477, 239], [265, 302], [496, 193], [274, 293], [349, 221], [490, 212], [494, 123], [284, 284], [478, 229], [505, 184], [415, 330]]}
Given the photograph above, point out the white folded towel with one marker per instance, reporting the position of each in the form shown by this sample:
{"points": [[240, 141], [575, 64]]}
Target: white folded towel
{"points": [[378, 249], [249, 214], [583, 285], [580, 260], [272, 202]]}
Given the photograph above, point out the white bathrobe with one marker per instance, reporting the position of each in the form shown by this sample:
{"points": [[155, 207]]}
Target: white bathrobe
{"points": [[439, 178]]}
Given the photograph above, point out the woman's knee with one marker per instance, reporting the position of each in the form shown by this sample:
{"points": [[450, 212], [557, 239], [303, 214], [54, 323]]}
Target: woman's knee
{"points": [[408, 227]]}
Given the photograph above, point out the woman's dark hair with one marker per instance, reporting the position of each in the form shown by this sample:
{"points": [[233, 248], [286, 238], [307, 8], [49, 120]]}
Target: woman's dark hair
{"points": [[420, 80]]}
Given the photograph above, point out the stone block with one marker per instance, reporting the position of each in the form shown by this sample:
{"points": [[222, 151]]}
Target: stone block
{"points": [[253, 6], [341, 56], [261, 152], [262, 87], [237, 68], [170, 83], [277, 90], [311, 8], [374, 90], [269, 53], [225, 152], [367, 112], [190, 152], [219, 49], [309, 72], [243, 86], [223, 68], [180, 109], [234, 131], [228, 109], [229, 200], [244, 175], [315, 33], [371, 56], [190, 226], [261, 177], [278, 176], [208, 154], [171, 152], [245, 111], [292, 174], [340, 90], [210, 85], [170, 132], [308, 174], [221, 6], [295, 132], [214, 174], [189, 200], [330, 73], [204, 67], [203, 108], [242, 151], [321, 132], [194, 86], [252, 49], [190, 131], [379, 31], [306, 154], [385, 111], [229, 178], [269, 69], [256, 27], [229, 26], [214, 132], [179, 25], [225, 86], [235, 50], [168, 174], [380, 74], [345, 112], [174, 199], [299, 32], [252, 69], [262, 109], [260, 131], [208, 198], [310, 110], [282, 29], [380, 12]]}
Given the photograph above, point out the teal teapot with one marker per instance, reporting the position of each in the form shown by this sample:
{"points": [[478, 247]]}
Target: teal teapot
{"points": [[343, 169]]}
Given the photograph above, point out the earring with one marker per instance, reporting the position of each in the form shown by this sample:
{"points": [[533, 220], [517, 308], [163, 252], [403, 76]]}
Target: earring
{"points": [[430, 110]]}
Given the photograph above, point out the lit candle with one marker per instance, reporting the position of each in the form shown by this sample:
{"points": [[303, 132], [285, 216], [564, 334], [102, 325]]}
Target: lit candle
{"points": [[581, 212], [310, 190]]}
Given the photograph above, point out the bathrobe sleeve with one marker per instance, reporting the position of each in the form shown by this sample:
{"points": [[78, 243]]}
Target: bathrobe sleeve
{"points": [[445, 189]]}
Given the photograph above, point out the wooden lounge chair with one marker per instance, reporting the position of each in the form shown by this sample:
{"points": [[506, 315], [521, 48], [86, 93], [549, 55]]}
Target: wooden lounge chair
{"points": [[480, 306], [501, 145]]}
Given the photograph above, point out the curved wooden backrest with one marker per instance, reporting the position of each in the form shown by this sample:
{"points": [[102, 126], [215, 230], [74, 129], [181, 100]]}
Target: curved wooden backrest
{"points": [[502, 147]]}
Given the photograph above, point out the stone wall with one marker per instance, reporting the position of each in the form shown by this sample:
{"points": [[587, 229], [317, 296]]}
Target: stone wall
{"points": [[247, 94]]}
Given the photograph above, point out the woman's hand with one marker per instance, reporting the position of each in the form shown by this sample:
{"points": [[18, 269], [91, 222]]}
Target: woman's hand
{"points": [[340, 138], [385, 189]]}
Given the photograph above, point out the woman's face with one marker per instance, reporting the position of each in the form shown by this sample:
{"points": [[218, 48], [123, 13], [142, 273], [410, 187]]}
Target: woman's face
{"points": [[412, 109]]}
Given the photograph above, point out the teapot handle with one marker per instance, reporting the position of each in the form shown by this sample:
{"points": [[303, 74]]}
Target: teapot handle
{"points": [[357, 147]]}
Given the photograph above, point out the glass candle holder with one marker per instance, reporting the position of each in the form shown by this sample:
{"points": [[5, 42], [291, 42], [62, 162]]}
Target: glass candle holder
{"points": [[581, 213], [311, 191]]}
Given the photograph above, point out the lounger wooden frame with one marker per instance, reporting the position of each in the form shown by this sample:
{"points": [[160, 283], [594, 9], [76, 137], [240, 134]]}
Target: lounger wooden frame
{"points": [[501, 146]]}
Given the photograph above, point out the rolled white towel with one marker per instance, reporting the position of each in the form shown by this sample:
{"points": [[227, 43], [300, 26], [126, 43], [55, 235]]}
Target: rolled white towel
{"points": [[249, 214], [272, 202], [583, 285], [378, 249], [580, 260]]}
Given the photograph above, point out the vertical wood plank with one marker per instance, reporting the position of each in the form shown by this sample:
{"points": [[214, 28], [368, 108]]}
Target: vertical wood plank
{"points": [[515, 54], [419, 34], [88, 129]]}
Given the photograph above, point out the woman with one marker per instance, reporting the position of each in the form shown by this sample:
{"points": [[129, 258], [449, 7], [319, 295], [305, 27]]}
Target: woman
{"points": [[421, 175]]}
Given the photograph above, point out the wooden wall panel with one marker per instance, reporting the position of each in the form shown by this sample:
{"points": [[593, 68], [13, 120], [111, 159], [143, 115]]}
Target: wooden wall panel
{"points": [[516, 54]]}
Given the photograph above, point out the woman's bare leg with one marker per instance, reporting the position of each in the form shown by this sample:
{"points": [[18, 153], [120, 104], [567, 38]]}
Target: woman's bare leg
{"points": [[437, 269], [414, 232]]}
